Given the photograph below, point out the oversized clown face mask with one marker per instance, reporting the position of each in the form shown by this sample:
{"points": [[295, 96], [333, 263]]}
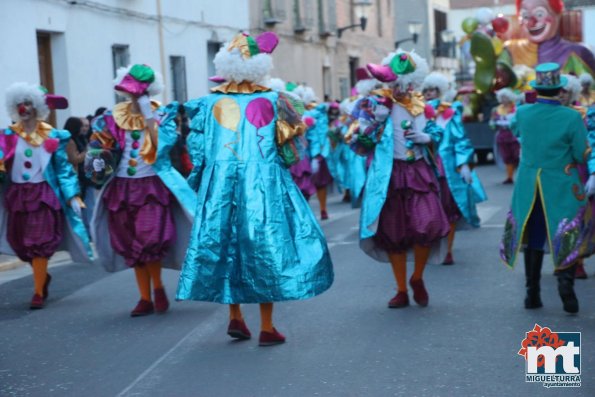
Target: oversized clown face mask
{"points": [[539, 20]]}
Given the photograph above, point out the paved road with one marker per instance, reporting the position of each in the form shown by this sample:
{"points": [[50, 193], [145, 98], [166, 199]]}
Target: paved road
{"points": [[344, 343]]}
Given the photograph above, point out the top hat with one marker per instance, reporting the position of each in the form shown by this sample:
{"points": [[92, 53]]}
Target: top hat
{"points": [[400, 64], [547, 77], [137, 80]]}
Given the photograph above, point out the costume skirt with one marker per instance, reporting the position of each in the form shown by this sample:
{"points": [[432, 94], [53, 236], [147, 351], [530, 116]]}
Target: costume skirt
{"points": [[140, 219], [412, 213], [35, 220], [301, 173], [323, 177], [509, 147]]}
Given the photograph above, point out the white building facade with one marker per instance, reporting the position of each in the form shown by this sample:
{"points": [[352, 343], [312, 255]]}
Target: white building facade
{"points": [[74, 47]]}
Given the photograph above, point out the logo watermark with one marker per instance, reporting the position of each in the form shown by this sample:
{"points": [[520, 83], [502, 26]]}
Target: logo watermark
{"points": [[552, 358]]}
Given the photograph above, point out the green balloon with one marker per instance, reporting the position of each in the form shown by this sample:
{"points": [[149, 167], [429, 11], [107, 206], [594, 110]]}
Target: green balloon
{"points": [[469, 25], [484, 56]]}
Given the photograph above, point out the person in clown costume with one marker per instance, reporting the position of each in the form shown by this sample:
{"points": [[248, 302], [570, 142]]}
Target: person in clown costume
{"points": [[401, 208], [454, 159], [301, 172], [356, 165], [145, 206], [41, 206], [319, 145], [587, 95], [255, 239], [569, 96], [550, 203], [500, 120]]}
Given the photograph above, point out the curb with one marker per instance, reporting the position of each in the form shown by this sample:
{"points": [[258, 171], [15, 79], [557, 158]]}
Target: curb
{"points": [[12, 264]]}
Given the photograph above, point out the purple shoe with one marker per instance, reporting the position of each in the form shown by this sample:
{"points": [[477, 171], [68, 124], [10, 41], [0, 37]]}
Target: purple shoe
{"points": [[161, 302], [448, 260], [36, 302], [143, 308], [237, 329], [270, 338], [420, 295], [401, 299]]}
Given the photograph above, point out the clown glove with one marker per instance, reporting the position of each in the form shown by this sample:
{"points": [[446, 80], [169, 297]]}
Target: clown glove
{"points": [[419, 137], [315, 165], [590, 186], [98, 165], [381, 112], [77, 204], [144, 104], [465, 172]]}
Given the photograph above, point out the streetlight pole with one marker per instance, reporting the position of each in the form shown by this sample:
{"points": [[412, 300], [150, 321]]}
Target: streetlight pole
{"points": [[414, 28], [360, 7]]}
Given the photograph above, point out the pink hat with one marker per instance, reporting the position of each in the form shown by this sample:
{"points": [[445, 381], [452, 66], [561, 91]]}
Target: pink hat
{"points": [[137, 80], [362, 74], [56, 101]]}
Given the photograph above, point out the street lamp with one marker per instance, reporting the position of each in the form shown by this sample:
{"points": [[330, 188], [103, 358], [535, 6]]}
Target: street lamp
{"points": [[360, 8], [448, 38], [414, 28]]}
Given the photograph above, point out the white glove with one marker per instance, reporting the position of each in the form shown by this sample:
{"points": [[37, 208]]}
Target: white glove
{"points": [[98, 165], [465, 172], [419, 137], [144, 104], [381, 112], [590, 186], [315, 165], [76, 207]]}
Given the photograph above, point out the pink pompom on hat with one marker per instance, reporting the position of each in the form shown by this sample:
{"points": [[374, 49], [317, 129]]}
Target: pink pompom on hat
{"points": [[362, 74]]}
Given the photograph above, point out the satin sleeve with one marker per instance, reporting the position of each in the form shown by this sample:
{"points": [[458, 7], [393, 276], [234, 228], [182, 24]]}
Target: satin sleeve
{"points": [[65, 173], [196, 111], [462, 144], [591, 137], [288, 128]]}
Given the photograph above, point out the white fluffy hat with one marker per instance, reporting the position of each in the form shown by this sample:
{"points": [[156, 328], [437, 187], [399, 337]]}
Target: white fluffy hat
{"points": [[586, 78], [573, 86], [436, 80], [246, 58], [23, 92], [506, 93]]}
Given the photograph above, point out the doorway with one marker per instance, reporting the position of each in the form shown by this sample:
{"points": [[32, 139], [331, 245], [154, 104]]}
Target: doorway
{"points": [[46, 75]]}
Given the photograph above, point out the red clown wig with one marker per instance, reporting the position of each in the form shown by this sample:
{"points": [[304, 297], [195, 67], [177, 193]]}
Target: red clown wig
{"points": [[556, 5]]}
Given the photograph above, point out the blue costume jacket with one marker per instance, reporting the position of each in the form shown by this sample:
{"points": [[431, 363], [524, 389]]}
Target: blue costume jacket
{"points": [[254, 238], [455, 149]]}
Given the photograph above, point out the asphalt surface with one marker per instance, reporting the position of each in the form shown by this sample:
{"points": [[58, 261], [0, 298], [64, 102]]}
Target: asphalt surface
{"points": [[345, 342]]}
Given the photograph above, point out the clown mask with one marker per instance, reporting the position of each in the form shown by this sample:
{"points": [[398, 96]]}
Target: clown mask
{"points": [[539, 20]]}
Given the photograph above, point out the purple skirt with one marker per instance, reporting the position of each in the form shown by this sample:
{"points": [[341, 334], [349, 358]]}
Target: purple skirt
{"points": [[140, 219], [412, 213], [35, 220], [323, 177], [302, 176], [509, 147]]}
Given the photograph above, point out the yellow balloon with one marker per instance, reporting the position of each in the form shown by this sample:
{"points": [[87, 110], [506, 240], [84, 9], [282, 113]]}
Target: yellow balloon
{"points": [[227, 113], [498, 45]]}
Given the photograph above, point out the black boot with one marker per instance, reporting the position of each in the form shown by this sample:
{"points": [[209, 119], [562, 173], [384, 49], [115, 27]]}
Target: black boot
{"points": [[533, 261], [566, 289]]}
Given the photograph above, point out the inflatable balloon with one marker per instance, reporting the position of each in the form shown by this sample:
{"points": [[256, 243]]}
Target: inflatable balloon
{"points": [[484, 56], [469, 25], [500, 25], [498, 45]]}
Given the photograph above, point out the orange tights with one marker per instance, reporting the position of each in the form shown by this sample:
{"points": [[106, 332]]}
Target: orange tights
{"points": [[266, 315], [151, 271], [398, 262], [40, 274]]}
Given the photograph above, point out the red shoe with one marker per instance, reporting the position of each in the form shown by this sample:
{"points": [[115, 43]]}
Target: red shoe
{"points": [[142, 308], [323, 215], [36, 302], [580, 272], [161, 302], [508, 181], [48, 280], [448, 260], [420, 295], [237, 329], [401, 299], [270, 338]]}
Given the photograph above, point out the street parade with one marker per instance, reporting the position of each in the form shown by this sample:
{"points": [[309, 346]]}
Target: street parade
{"points": [[359, 216]]}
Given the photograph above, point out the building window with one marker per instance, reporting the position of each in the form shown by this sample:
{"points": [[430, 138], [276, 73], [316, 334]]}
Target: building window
{"points": [[120, 56], [178, 78], [327, 18], [344, 87], [379, 17], [212, 50], [440, 25], [353, 65], [120, 59]]}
